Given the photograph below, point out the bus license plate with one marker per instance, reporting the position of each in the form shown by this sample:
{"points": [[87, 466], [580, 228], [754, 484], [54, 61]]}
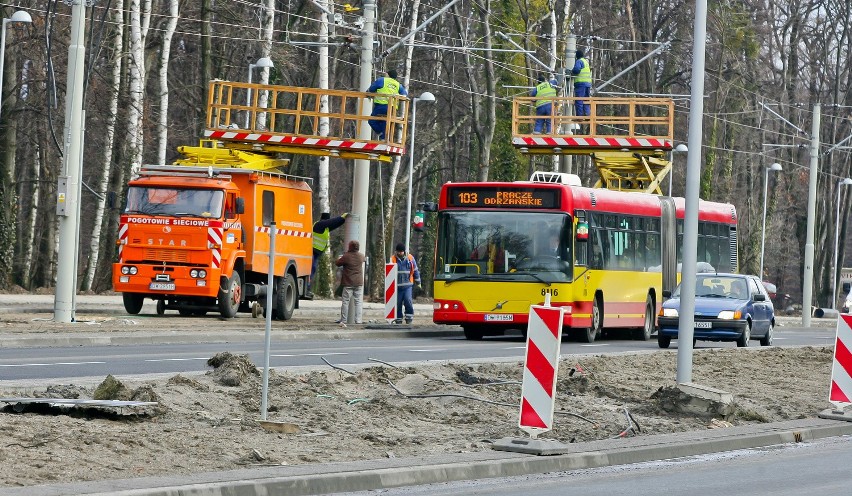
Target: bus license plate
{"points": [[501, 317], [703, 325], [162, 286]]}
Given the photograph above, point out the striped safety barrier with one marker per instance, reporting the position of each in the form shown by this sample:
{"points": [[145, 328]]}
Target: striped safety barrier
{"points": [[593, 142], [353, 145], [841, 369], [390, 292], [538, 389]]}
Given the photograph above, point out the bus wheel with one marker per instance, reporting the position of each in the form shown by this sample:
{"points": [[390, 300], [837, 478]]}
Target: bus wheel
{"points": [[285, 298], [133, 302], [644, 332], [230, 296], [596, 328], [473, 333]]}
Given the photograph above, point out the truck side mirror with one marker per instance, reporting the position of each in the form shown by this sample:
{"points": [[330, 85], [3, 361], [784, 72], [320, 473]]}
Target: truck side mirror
{"points": [[240, 206], [110, 199]]}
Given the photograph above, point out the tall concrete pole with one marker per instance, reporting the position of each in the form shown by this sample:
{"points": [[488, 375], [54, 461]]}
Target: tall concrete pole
{"points": [[686, 320], [68, 189], [808, 279], [567, 164], [361, 173]]}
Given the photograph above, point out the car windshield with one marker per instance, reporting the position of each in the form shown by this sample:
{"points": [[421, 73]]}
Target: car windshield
{"points": [[716, 286], [504, 246], [174, 202]]}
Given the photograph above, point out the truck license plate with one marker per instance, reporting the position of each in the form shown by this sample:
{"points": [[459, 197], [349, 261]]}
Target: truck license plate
{"points": [[162, 286], [502, 317], [703, 325]]}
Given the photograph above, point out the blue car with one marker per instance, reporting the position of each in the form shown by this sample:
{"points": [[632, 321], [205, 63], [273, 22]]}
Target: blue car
{"points": [[728, 307]]}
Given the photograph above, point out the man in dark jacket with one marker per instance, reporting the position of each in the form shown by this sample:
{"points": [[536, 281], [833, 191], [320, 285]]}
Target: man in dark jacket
{"points": [[352, 282], [407, 276], [321, 235]]}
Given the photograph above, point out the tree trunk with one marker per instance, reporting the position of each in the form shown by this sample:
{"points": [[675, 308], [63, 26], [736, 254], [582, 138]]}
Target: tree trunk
{"points": [[163, 126], [111, 118]]}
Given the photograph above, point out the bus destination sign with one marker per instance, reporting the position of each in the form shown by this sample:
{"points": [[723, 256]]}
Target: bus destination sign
{"points": [[503, 197]]}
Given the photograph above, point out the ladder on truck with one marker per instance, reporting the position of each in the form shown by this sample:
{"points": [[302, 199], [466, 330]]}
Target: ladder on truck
{"points": [[286, 119], [628, 139]]}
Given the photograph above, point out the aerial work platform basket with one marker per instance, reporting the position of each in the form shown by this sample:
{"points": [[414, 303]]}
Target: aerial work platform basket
{"points": [[288, 119], [627, 138]]}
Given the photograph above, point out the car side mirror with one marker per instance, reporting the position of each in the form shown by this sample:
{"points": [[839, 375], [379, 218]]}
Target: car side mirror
{"points": [[667, 293], [759, 297]]}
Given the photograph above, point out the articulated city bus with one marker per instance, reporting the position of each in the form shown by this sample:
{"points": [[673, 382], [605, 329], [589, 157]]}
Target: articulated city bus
{"points": [[604, 255]]}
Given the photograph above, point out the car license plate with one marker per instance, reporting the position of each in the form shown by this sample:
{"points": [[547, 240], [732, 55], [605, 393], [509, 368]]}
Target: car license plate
{"points": [[703, 325], [501, 317], [162, 286]]}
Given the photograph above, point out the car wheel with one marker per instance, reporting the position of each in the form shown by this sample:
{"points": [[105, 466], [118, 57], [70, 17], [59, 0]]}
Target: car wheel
{"points": [[742, 341], [644, 332], [473, 333], [285, 298], [133, 302], [595, 329], [230, 296], [766, 340], [663, 341], [161, 307]]}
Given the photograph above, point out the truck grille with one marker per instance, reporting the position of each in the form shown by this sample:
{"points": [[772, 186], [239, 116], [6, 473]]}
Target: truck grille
{"points": [[161, 255]]}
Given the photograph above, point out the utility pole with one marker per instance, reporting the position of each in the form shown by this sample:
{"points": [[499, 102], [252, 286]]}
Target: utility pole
{"points": [[361, 174], [686, 321], [68, 189], [808, 280], [567, 164]]}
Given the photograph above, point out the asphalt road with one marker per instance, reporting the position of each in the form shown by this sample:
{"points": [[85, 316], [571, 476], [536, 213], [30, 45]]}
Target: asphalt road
{"points": [[56, 362]]}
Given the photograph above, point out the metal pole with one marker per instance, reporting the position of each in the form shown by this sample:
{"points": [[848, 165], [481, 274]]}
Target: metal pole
{"points": [[634, 64], [686, 320], [808, 279], [248, 97], [361, 172], [763, 225], [570, 59], [414, 31], [72, 169], [410, 175], [671, 169], [836, 249], [270, 286]]}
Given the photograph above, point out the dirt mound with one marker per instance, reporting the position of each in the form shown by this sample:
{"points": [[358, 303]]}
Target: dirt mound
{"points": [[230, 369]]}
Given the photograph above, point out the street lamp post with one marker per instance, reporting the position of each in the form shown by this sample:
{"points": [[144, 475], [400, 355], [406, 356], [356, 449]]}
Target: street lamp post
{"points": [[842, 182], [263, 62], [19, 16], [681, 148], [424, 97], [774, 167]]}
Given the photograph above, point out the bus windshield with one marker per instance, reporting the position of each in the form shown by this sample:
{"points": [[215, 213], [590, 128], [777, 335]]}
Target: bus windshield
{"points": [[175, 202], [501, 245]]}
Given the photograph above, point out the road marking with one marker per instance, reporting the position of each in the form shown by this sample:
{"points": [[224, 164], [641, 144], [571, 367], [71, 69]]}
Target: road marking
{"points": [[309, 354], [174, 359], [427, 351], [593, 345], [49, 364]]}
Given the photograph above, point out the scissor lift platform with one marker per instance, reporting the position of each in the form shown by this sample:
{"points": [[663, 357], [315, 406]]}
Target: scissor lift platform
{"points": [[287, 119], [627, 138]]}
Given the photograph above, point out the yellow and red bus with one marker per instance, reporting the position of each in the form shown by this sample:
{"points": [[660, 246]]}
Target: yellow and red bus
{"points": [[604, 255]]}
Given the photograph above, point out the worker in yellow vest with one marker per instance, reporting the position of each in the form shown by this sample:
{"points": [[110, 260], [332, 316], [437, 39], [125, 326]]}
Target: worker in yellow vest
{"points": [[387, 85], [582, 72], [321, 235], [544, 92]]}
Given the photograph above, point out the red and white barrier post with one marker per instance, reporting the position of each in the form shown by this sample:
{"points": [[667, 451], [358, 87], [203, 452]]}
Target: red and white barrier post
{"points": [[840, 392], [538, 389], [390, 292]]}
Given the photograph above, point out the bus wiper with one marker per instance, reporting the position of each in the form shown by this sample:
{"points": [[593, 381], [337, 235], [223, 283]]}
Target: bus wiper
{"points": [[468, 277], [533, 275]]}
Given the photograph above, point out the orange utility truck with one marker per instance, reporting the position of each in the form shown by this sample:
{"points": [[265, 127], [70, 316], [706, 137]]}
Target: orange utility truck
{"points": [[195, 236]]}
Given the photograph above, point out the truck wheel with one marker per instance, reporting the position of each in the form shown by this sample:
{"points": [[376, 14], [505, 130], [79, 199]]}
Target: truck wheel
{"points": [[161, 307], [230, 296], [133, 302], [285, 298]]}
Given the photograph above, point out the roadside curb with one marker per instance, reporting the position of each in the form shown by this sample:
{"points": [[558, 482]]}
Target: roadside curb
{"points": [[306, 480]]}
